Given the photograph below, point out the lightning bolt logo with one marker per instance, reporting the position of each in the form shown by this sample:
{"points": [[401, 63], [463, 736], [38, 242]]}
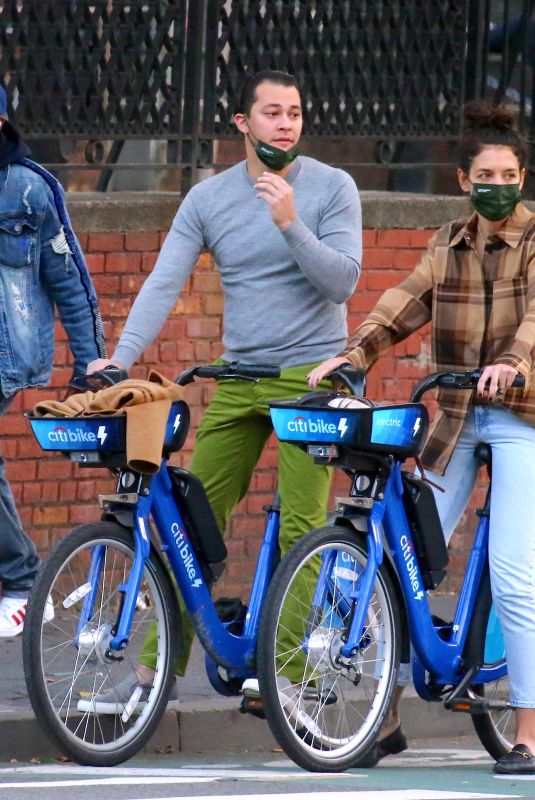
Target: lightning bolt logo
{"points": [[416, 426], [343, 426], [176, 423], [101, 434], [196, 584]]}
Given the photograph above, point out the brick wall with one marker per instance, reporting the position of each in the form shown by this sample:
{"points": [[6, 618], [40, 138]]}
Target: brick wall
{"points": [[52, 495]]}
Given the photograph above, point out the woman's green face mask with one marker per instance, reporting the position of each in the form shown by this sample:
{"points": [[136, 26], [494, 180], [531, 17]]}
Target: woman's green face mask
{"points": [[495, 201]]}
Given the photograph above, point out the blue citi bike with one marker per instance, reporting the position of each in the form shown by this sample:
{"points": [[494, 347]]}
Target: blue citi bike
{"points": [[114, 581], [349, 599], [325, 629]]}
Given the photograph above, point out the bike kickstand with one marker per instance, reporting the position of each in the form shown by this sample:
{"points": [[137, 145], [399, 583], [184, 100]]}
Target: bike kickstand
{"points": [[458, 691]]}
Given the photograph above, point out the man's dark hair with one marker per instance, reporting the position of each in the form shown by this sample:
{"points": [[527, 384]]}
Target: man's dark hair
{"points": [[248, 92]]}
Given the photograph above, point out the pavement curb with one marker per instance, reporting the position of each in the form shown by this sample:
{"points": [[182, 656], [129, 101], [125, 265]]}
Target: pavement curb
{"points": [[219, 730]]}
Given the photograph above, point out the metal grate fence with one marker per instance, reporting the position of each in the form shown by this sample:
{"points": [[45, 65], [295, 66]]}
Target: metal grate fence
{"points": [[379, 77]]}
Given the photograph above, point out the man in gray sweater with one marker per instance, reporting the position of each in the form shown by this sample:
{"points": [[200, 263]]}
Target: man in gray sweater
{"points": [[285, 233]]}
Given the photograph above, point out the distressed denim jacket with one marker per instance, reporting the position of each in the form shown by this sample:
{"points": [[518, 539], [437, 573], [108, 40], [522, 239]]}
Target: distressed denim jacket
{"points": [[41, 267]]}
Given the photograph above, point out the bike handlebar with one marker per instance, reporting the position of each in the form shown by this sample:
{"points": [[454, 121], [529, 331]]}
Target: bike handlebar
{"points": [[99, 380], [112, 374], [248, 372], [353, 378], [453, 380]]}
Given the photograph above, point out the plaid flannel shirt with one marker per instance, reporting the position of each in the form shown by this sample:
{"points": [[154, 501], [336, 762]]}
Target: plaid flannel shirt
{"points": [[481, 314]]}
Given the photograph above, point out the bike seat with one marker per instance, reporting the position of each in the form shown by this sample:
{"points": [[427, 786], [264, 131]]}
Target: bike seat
{"points": [[483, 453]]}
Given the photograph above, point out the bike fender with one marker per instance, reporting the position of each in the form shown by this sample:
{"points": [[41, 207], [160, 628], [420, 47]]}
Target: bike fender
{"points": [[123, 516]]}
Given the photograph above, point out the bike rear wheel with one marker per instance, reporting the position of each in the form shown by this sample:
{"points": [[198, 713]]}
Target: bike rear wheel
{"points": [[326, 711], [67, 667]]}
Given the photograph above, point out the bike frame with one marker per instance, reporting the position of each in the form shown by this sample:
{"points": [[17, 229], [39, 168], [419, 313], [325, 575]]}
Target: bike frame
{"points": [[442, 659], [234, 653]]}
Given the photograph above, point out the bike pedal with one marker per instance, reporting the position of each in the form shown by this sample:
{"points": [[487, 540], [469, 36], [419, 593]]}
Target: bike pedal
{"points": [[478, 705], [252, 705], [462, 705]]}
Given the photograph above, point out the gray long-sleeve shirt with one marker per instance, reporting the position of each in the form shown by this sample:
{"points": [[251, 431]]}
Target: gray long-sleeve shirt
{"points": [[284, 291]]}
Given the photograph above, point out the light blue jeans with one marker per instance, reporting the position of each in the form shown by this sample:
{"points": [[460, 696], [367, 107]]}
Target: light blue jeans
{"points": [[512, 529]]}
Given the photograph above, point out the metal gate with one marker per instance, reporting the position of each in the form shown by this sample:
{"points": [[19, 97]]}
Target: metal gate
{"points": [[376, 74]]}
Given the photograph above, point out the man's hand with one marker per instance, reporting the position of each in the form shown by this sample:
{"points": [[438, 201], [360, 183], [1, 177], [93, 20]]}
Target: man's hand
{"points": [[316, 375], [279, 196], [102, 363], [495, 380]]}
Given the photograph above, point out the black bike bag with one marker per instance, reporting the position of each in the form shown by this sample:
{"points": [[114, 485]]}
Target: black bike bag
{"points": [[198, 516], [426, 530]]}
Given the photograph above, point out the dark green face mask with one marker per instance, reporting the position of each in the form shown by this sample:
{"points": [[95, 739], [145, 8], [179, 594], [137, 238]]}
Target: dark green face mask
{"points": [[273, 157], [495, 201]]}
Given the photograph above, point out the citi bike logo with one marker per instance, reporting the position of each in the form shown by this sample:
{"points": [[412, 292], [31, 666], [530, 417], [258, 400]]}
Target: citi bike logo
{"points": [[185, 555], [61, 435], [304, 425], [410, 564]]}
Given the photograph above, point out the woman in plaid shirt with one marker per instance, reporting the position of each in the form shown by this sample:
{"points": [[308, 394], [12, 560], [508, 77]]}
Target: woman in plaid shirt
{"points": [[476, 284]]}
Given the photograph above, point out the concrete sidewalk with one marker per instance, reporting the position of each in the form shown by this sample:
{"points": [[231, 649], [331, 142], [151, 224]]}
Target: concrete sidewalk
{"points": [[205, 722]]}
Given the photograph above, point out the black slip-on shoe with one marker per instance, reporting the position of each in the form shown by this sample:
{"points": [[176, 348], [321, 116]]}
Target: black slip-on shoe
{"points": [[395, 743], [518, 761]]}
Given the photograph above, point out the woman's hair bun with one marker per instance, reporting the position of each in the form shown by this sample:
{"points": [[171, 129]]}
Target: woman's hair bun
{"points": [[489, 124], [480, 115]]}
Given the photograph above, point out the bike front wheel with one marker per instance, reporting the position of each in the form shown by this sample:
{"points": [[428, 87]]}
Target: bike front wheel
{"points": [[70, 668], [324, 709]]}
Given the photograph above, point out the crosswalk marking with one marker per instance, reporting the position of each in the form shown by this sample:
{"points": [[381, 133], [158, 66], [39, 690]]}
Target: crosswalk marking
{"points": [[147, 781], [135, 775], [387, 794], [268, 770]]}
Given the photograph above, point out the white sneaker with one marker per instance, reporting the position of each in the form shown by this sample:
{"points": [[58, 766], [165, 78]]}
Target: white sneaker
{"points": [[12, 615], [49, 609], [250, 687], [124, 697], [292, 698]]}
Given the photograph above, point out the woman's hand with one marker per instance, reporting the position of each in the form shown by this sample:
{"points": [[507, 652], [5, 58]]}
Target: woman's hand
{"points": [[495, 380], [317, 374]]}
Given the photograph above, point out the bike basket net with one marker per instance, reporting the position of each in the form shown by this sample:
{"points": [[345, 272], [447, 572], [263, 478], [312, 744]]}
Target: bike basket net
{"points": [[396, 429]]}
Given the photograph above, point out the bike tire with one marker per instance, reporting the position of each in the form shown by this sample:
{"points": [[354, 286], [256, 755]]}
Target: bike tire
{"points": [[64, 667], [496, 727], [325, 715]]}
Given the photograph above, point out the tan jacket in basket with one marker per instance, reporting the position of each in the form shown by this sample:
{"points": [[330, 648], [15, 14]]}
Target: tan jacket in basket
{"points": [[146, 404]]}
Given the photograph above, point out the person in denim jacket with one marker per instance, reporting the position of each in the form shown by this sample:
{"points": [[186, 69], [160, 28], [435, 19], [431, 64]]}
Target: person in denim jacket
{"points": [[41, 267]]}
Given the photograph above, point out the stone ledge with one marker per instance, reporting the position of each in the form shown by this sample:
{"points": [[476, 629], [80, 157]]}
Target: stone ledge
{"points": [[94, 212], [102, 212]]}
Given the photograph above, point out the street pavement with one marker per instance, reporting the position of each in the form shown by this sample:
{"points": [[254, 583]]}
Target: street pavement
{"points": [[204, 721], [430, 770]]}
